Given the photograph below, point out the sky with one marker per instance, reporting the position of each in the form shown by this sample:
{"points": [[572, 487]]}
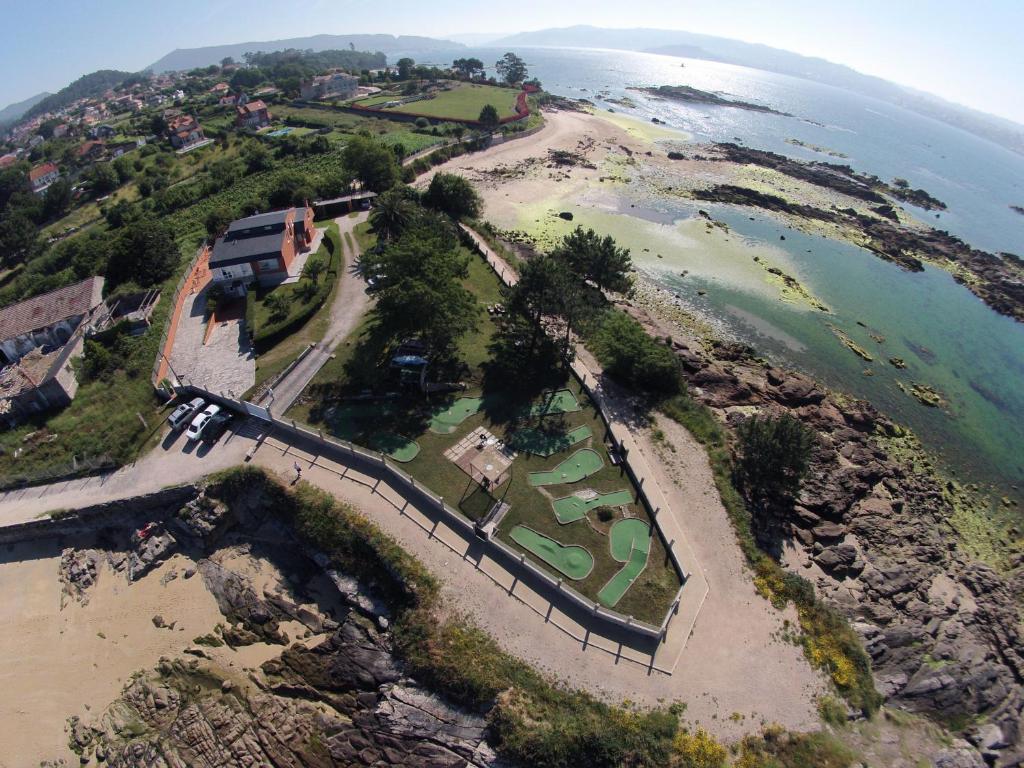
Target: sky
{"points": [[967, 51]]}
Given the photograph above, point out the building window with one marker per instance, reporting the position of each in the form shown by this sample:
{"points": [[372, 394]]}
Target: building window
{"points": [[268, 264]]}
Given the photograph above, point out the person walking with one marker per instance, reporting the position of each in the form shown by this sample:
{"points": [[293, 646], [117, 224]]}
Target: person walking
{"points": [[298, 472]]}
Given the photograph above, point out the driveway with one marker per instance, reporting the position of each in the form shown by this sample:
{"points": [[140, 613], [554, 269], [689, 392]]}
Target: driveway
{"points": [[225, 362], [350, 305]]}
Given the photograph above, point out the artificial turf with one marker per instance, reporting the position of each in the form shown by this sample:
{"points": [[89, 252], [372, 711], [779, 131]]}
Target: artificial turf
{"points": [[573, 561]]}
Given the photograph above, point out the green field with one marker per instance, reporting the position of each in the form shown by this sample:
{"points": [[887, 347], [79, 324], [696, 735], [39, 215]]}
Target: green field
{"points": [[544, 443], [572, 508], [359, 423], [463, 102], [581, 464], [630, 543], [572, 561]]}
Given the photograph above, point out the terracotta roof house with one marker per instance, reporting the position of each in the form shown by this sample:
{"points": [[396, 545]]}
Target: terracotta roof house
{"points": [[253, 114], [42, 176], [8, 160], [48, 320], [184, 131], [90, 150], [263, 247], [220, 88]]}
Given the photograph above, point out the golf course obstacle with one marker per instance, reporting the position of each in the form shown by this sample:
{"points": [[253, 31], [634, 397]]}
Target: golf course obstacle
{"points": [[630, 543], [569, 509], [447, 418], [559, 401], [573, 561], [541, 443], [581, 464]]}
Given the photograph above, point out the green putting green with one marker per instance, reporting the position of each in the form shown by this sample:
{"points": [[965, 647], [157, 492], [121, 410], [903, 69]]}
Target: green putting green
{"points": [[581, 464], [560, 401], [630, 542], [446, 419], [574, 561], [540, 443], [397, 447], [572, 508]]}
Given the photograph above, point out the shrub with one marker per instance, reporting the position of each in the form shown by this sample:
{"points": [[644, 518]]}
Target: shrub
{"points": [[629, 355], [422, 122], [605, 514]]}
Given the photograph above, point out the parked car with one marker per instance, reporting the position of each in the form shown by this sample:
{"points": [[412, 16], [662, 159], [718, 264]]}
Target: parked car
{"points": [[195, 429], [179, 418], [216, 427]]}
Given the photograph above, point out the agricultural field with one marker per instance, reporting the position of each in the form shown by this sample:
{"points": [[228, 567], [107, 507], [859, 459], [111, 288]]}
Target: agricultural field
{"points": [[462, 102]]}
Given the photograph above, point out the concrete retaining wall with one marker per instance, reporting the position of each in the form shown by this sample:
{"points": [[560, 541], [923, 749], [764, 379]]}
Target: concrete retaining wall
{"points": [[87, 519]]}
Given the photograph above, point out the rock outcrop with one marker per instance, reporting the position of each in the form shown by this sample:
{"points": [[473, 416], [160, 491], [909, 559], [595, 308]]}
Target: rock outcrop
{"points": [[872, 534]]}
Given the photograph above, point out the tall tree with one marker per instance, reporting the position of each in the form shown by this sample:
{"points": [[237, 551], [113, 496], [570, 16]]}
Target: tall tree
{"points": [[393, 214], [596, 259], [372, 163], [489, 116], [144, 253], [422, 292], [452, 194], [405, 66], [468, 67], [511, 68], [773, 454]]}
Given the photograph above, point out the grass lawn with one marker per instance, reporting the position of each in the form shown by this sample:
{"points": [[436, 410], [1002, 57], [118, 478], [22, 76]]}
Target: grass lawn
{"points": [[531, 507], [463, 102]]}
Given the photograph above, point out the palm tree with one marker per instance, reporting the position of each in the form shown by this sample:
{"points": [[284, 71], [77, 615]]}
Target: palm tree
{"points": [[392, 215]]}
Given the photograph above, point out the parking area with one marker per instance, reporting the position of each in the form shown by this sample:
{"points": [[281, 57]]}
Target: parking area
{"points": [[226, 361]]}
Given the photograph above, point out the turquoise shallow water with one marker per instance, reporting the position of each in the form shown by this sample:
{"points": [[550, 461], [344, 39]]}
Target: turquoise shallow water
{"points": [[948, 338]]}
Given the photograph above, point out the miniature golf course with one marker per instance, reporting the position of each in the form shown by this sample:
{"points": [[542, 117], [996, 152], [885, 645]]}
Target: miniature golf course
{"points": [[541, 443], [573, 561], [351, 420], [573, 508], [630, 543], [581, 464], [446, 419]]}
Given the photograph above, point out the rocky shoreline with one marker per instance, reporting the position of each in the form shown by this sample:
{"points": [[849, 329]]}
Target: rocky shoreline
{"points": [[872, 532], [996, 280], [335, 694]]}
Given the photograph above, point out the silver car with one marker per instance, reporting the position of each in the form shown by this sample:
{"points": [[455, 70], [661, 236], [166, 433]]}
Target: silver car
{"points": [[181, 415]]}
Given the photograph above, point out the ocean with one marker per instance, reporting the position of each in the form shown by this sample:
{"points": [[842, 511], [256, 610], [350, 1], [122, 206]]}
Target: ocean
{"points": [[947, 337]]}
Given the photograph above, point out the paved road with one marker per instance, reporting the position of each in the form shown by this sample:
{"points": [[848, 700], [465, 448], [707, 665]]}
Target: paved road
{"points": [[350, 304]]}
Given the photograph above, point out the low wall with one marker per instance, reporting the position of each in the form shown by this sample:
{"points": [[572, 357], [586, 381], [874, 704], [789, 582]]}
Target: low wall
{"points": [[86, 519]]}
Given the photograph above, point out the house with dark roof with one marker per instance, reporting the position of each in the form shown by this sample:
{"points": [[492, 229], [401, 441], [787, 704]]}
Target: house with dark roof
{"points": [[42, 176], [261, 248], [48, 321]]}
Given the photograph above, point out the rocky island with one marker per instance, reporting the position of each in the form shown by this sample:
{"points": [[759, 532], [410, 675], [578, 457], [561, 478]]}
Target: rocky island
{"points": [[691, 95]]}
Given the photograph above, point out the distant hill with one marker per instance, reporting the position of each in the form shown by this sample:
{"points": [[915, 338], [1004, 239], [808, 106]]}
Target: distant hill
{"points": [[691, 45], [87, 86], [13, 112], [189, 58]]}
